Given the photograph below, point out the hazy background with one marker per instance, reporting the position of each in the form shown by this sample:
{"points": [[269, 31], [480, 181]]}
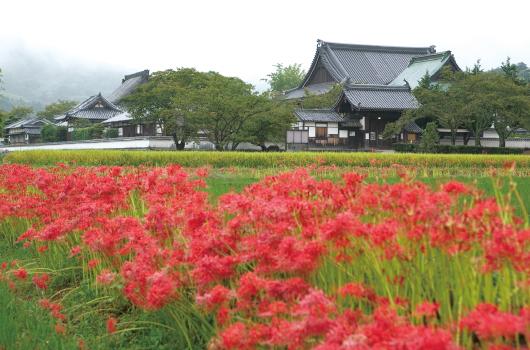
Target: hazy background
{"points": [[73, 49]]}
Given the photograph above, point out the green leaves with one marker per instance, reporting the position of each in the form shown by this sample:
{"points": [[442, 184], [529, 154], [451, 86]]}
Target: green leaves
{"points": [[285, 78]]}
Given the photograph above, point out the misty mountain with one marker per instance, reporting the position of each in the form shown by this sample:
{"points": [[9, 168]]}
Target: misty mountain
{"points": [[36, 79]]}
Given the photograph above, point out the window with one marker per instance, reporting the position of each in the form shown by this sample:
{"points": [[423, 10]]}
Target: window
{"points": [[352, 133], [372, 135], [139, 129], [343, 134], [120, 132]]}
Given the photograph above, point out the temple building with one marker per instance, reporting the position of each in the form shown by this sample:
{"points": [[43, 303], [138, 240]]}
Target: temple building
{"points": [[376, 83], [25, 131], [109, 111]]}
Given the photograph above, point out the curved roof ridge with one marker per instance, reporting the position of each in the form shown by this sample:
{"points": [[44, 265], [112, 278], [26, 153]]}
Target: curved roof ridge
{"points": [[363, 47], [375, 87]]}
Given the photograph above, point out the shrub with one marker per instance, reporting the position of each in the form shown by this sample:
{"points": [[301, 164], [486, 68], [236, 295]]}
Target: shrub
{"points": [[89, 133], [429, 138], [53, 133], [110, 133], [450, 149]]}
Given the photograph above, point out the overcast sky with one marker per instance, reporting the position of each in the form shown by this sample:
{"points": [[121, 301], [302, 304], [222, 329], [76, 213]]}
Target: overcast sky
{"points": [[246, 38]]}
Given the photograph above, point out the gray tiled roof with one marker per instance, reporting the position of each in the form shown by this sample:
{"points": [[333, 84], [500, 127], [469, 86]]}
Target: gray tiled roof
{"points": [[88, 110], [318, 115], [364, 64], [128, 85], [315, 89], [412, 127], [125, 116], [27, 122], [380, 97]]}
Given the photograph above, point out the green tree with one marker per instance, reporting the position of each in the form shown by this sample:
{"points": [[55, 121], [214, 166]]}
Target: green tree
{"points": [[509, 70], [53, 133], [429, 138], [285, 77], [57, 108], [153, 102], [220, 107], [18, 113], [326, 100], [268, 126]]}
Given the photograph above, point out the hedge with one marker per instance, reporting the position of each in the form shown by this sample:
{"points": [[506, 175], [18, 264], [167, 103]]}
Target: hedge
{"points": [[450, 149], [262, 159]]}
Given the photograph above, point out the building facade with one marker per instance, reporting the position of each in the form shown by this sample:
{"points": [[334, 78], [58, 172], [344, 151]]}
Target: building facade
{"points": [[376, 83]]}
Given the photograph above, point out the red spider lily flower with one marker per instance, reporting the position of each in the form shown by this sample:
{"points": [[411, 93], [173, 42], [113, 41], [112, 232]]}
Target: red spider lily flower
{"points": [[3, 266], [357, 290], [455, 187], [44, 303], [60, 328], [75, 251], [20, 273], [105, 277], [92, 263], [427, 309], [111, 325], [42, 248], [509, 165], [41, 281], [216, 297], [490, 323]]}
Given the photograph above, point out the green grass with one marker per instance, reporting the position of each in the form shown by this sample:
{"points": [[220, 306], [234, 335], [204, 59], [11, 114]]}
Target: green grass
{"points": [[265, 160]]}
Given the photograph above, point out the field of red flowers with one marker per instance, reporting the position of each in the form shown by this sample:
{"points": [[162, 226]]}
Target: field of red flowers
{"points": [[291, 262]]}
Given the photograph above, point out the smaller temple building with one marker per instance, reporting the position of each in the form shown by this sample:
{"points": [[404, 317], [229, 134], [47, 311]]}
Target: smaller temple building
{"points": [[25, 131]]}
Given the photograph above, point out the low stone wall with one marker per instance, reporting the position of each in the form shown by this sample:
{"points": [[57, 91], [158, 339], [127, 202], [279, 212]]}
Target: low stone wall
{"points": [[490, 142]]}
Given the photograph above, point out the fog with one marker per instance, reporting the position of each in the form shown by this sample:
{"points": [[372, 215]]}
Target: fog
{"points": [[73, 49], [35, 77]]}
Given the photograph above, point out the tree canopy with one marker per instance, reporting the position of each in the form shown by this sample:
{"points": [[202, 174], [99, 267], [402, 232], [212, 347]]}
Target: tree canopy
{"points": [[285, 77], [189, 104], [56, 108], [473, 100]]}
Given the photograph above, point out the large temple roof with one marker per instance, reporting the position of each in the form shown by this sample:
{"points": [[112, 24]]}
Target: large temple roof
{"points": [[128, 85], [364, 64]]}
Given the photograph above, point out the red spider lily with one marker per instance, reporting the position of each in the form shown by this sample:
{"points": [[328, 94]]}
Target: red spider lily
{"points": [[105, 277], [111, 325], [60, 328], [20, 273], [489, 323], [427, 309], [75, 251], [41, 280]]}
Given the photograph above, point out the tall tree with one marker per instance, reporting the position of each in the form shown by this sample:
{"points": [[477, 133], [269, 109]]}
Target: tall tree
{"points": [[220, 106], [509, 70], [57, 108], [268, 126], [285, 77], [154, 102]]}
